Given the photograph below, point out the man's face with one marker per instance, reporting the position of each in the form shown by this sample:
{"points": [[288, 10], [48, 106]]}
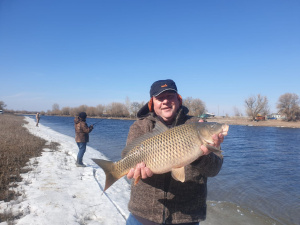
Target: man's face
{"points": [[166, 105]]}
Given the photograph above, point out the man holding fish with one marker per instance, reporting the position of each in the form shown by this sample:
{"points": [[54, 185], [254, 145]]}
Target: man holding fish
{"points": [[170, 155], [159, 199]]}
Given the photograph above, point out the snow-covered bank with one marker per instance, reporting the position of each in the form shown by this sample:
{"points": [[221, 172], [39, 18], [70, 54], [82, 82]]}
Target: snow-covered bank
{"points": [[58, 192]]}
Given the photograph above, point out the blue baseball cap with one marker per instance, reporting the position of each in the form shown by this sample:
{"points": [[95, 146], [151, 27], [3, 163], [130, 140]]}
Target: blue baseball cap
{"points": [[161, 86]]}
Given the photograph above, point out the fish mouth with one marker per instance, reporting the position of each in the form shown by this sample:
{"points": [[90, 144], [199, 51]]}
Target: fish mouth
{"points": [[225, 129]]}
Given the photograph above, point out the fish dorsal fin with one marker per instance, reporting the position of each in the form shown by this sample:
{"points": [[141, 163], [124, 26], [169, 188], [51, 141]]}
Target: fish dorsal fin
{"points": [[178, 174], [158, 129]]}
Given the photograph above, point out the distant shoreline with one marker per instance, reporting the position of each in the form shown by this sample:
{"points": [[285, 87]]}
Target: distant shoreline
{"points": [[248, 122], [243, 121]]}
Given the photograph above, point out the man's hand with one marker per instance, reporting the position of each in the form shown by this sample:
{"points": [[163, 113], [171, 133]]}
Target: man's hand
{"points": [[140, 171]]}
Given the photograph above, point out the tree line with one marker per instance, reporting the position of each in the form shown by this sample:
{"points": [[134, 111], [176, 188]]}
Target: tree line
{"points": [[288, 105], [116, 109]]}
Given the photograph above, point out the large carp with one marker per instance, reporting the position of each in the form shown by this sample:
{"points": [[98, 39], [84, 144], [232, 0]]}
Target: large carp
{"points": [[164, 150]]}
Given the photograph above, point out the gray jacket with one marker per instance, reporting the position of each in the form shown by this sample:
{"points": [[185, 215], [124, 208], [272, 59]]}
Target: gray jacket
{"points": [[162, 199]]}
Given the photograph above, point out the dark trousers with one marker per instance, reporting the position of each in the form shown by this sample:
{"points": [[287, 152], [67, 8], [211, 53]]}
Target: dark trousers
{"points": [[82, 148]]}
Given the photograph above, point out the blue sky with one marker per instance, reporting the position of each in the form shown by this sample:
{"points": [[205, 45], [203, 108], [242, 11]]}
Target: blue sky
{"points": [[75, 52]]}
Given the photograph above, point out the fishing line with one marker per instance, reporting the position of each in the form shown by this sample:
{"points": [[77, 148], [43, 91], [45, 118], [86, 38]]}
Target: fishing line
{"points": [[115, 205]]}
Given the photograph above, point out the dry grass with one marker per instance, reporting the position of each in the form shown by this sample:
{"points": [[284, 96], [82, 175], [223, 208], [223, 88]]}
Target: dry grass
{"points": [[17, 146]]}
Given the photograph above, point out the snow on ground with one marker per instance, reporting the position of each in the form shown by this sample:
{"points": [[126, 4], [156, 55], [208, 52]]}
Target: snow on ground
{"points": [[58, 192]]}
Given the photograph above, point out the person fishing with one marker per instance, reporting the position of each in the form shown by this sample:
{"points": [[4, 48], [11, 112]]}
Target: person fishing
{"points": [[81, 136], [37, 117], [158, 198]]}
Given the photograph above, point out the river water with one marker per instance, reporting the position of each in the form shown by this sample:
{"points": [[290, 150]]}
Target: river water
{"points": [[260, 170]]}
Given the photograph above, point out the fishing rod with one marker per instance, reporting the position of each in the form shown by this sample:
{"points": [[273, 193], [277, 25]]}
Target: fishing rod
{"points": [[96, 123], [93, 123]]}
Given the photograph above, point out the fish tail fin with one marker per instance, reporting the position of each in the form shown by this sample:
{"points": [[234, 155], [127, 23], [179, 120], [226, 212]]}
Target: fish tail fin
{"points": [[109, 170]]}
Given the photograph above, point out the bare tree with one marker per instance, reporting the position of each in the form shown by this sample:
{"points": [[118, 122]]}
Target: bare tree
{"points": [[117, 109], [288, 104], [187, 102], [65, 111], [76, 110], [128, 104], [100, 109], [256, 105], [91, 111], [55, 109], [82, 108], [135, 106], [196, 106], [2, 105], [237, 111]]}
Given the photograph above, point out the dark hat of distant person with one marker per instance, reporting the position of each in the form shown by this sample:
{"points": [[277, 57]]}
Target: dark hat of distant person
{"points": [[82, 115]]}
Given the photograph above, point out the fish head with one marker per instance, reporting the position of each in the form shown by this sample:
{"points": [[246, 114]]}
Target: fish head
{"points": [[207, 129]]}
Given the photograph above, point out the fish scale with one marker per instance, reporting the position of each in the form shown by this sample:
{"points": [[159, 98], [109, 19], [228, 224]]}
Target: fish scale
{"points": [[164, 150], [158, 152]]}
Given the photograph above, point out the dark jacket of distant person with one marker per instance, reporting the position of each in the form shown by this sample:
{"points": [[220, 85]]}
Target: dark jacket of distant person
{"points": [[81, 130]]}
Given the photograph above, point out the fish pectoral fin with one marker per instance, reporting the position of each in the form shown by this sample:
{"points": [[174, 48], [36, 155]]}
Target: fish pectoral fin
{"points": [[178, 174], [216, 151], [213, 149], [137, 180]]}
